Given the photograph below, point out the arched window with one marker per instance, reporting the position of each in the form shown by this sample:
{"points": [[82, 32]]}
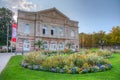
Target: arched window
{"points": [[61, 46], [45, 29], [53, 46], [72, 33], [45, 46], [53, 31], [27, 29], [73, 46], [61, 31]]}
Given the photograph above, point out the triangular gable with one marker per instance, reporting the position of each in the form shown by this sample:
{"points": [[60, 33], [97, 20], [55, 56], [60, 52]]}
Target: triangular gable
{"points": [[53, 12]]}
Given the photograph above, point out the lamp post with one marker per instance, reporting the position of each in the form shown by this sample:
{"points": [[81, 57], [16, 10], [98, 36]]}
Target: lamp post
{"points": [[22, 46], [7, 35], [101, 43]]}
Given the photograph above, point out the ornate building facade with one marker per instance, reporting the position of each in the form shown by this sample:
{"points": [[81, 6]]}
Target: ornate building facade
{"points": [[51, 26]]}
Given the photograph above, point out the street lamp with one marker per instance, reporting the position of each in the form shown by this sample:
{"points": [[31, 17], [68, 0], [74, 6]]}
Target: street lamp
{"points": [[22, 46], [101, 43]]}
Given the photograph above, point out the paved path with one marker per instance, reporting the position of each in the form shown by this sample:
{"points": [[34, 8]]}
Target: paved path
{"points": [[4, 58]]}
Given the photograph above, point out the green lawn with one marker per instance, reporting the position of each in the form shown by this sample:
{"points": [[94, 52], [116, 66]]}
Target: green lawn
{"points": [[14, 71]]}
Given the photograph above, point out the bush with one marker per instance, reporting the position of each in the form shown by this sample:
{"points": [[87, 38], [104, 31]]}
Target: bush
{"points": [[104, 53], [115, 51], [34, 58]]}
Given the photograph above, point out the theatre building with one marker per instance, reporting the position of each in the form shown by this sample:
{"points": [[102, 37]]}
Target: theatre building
{"points": [[51, 26]]}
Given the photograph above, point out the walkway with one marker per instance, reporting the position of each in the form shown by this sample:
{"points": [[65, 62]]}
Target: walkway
{"points": [[4, 58]]}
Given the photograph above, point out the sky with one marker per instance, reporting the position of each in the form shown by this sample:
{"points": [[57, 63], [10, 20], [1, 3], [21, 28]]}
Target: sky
{"points": [[92, 15]]}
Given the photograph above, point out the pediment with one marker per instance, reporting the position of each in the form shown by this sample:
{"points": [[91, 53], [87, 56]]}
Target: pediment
{"points": [[54, 13]]}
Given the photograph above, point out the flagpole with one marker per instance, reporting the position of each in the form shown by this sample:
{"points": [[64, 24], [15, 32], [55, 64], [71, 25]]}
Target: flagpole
{"points": [[7, 36], [11, 46], [14, 34]]}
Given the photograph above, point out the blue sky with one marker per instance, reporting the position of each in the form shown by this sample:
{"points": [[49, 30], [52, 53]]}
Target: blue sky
{"points": [[93, 15]]}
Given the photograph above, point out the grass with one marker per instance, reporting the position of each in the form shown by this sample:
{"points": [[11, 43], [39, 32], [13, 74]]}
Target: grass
{"points": [[14, 71]]}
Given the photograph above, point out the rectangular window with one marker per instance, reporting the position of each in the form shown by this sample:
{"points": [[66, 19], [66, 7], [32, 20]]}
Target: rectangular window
{"points": [[43, 31], [61, 46], [52, 32], [53, 46], [27, 29], [61, 31]]}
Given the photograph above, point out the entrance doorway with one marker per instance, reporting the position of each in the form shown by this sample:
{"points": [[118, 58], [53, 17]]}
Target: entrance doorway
{"points": [[26, 45]]}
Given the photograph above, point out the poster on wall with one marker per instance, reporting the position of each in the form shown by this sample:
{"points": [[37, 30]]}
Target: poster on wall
{"points": [[14, 33]]}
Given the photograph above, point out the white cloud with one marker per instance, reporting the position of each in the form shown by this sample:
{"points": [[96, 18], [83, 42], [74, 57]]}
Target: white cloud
{"points": [[14, 5]]}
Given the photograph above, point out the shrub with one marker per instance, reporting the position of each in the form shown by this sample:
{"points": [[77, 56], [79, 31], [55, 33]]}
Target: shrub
{"points": [[34, 58], [86, 65], [106, 53], [68, 51], [79, 60], [115, 51]]}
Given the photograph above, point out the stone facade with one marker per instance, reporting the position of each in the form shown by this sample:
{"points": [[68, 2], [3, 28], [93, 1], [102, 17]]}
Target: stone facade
{"points": [[50, 26]]}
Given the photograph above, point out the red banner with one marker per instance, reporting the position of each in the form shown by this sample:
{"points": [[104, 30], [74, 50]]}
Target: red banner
{"points": [[14, 26]]}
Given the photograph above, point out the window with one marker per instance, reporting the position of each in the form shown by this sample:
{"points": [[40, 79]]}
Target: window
{"points": [[27, 29], [45, 46], [61, 31], [73, 46], [53, 46], [61, 46], [45, 29], [26, 45], [72, 33], [53, 31]]}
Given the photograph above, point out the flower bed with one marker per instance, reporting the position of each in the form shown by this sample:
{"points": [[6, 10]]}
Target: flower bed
{"points": [[66, 63]]}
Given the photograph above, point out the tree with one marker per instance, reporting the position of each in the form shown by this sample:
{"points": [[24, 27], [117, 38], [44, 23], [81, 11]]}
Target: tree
{"points": [[81, 40], [100, 38], [97, 37], [91, 40], [107, 39], [39, 43], [5, 21], [115, 35], [69, 45]]}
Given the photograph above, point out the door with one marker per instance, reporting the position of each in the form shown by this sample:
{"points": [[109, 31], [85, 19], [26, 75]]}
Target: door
{"points": [[26, 45]]}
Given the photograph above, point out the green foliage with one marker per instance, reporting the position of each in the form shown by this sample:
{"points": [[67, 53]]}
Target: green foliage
{"points": [[5, 21], [115, 35], [69, 45], [39, 43]]}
